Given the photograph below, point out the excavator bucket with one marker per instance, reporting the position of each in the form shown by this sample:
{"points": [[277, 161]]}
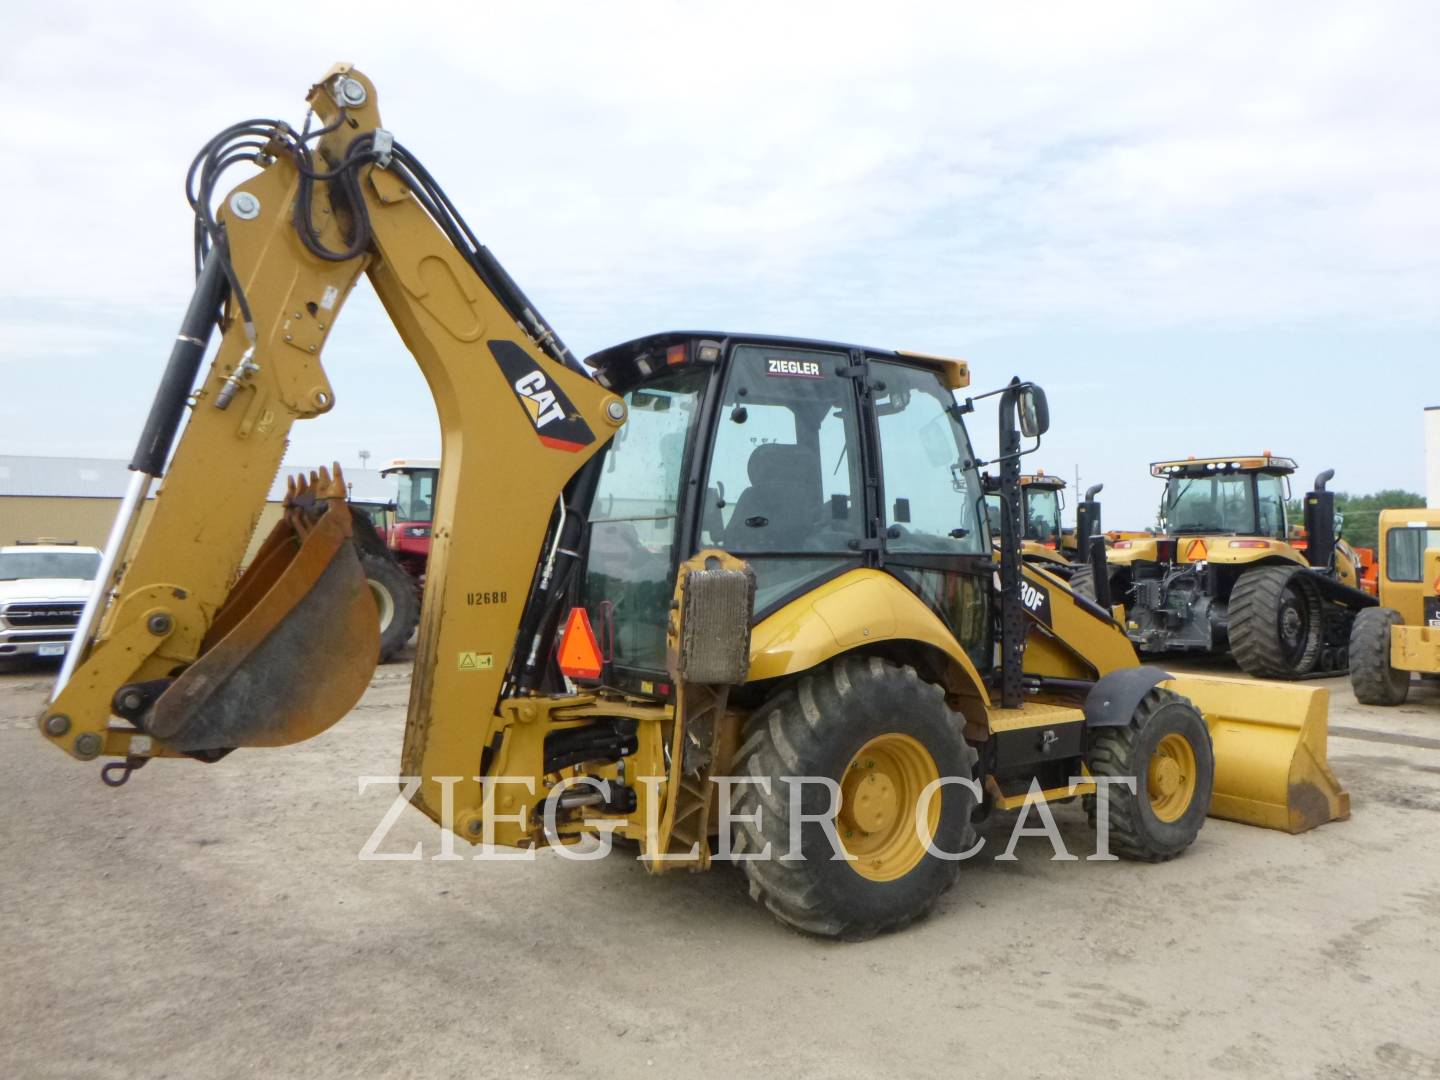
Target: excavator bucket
{"points": [[295, 643], [1270, 752]]}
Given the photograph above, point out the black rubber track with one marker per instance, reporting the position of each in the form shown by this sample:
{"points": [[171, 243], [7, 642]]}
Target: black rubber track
{"points": [[1254, 615], [813, 727], [384, 572], [1374, 681], [1082, 581], [1135, 831]]}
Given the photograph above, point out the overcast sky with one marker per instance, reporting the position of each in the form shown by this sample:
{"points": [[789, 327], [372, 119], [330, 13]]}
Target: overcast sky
{"points": [[1205, 228]]}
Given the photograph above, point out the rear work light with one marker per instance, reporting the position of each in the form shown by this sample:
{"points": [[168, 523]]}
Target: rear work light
{"points": [[1249, 543]]}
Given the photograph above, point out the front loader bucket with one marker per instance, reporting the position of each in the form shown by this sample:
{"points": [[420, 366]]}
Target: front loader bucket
{"points": [[294, 645], [1270, 752]]}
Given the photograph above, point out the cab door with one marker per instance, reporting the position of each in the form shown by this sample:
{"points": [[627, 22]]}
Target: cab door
{"points": [[934, 531]]}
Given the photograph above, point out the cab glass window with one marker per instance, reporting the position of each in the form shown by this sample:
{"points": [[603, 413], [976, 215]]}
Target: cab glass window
{"points": [[1042, 514], [933, 500], [628, 581], [1270, 490], [783, 474], [1405, 552]]}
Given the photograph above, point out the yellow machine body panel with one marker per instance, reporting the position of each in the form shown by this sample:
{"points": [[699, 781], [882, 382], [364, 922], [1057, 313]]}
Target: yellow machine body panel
{"points": [[1079, 641], [1133, 549], [1415, 648], [862, 608]]}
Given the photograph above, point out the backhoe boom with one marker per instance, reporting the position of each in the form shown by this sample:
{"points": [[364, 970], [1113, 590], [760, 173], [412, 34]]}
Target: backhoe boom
{"points": [[516, 421]]}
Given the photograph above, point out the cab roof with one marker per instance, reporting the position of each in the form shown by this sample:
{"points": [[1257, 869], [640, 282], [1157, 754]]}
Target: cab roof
{"points": [[1415, 518], [621, 366], [1042, 479], [409, 463], [1263, 462]]}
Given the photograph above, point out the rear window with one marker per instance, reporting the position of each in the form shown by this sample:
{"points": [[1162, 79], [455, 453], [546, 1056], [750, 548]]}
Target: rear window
{"points": [[20, 565]]}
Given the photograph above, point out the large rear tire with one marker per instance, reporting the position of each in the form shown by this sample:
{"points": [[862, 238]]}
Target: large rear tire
{"points": [[1166, 748], [881, 733], [397, 601], [1276, 622], [1372, 678]]}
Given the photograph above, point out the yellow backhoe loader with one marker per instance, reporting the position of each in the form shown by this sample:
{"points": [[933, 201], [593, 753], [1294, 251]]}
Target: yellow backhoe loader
{"points": [[1401, 637], [769, 557]]}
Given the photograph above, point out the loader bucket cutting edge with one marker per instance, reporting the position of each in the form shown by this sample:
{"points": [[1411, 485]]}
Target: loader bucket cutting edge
{"points": [[296, 642], [1270, 742]]}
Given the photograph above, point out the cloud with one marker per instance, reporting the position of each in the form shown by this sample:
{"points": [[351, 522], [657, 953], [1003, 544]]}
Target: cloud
{"points": [[930, 176]]}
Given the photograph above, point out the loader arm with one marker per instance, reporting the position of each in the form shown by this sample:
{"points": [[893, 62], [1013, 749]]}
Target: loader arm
{"points": [[175, 641]]}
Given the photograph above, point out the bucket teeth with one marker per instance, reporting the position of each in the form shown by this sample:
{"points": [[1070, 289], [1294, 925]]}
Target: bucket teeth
{"points": [[307, 497], [302, 490]]}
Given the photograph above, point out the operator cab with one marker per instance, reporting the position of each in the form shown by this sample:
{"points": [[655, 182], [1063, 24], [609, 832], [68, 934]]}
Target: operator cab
{"points": [[407, 535], [1243, 496], [1041, 501], [807, 459]]}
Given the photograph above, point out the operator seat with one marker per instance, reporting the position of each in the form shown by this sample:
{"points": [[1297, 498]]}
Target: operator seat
{"points": [[779, 510]]}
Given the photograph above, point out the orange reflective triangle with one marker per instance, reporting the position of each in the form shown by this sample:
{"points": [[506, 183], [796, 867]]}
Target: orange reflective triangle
{"points": [[1197, 551], [579, 652]]}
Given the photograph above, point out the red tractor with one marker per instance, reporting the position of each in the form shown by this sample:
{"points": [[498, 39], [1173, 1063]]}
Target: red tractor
{"points": [[407, 534], [394, 543]]}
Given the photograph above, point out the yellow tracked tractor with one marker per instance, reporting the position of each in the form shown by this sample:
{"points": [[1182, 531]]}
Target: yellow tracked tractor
{"points": [[1401, 637], [770, 558], [1045, 541], [1230, 574]]}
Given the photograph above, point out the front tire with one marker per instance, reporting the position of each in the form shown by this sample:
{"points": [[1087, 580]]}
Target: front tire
{"points": [[1166, 747], [397, 602], [881, 734], [1372, 678], [1276, 622]]}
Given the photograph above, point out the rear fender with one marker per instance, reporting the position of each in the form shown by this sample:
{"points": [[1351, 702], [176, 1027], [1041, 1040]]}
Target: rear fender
{"points": [[862, 609]]}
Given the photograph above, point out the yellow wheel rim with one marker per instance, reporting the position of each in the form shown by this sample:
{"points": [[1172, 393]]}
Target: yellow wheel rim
{"points": [[879, 798], [1170, 778]]}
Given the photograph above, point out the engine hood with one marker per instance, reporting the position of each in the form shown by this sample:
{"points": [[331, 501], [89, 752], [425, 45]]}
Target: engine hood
{"points": [[44, 589]]}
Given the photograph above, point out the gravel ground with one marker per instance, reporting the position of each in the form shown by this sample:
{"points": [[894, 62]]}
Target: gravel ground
{"points": [[215, 921]]}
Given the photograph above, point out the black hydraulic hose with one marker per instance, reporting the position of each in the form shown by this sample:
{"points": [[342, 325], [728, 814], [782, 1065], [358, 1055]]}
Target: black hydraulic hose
{"points": [[486, 266], [179, 378]]}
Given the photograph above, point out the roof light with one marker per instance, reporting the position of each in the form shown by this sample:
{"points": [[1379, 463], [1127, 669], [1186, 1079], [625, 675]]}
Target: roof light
{"points": [[675, 354], [579, 652]]}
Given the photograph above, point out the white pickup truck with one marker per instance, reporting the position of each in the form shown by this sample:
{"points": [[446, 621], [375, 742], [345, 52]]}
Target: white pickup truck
{"points": [[43, 587]]}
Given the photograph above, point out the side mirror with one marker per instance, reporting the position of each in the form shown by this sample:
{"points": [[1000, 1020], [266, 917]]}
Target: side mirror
{"points": [[1034, 412]]}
